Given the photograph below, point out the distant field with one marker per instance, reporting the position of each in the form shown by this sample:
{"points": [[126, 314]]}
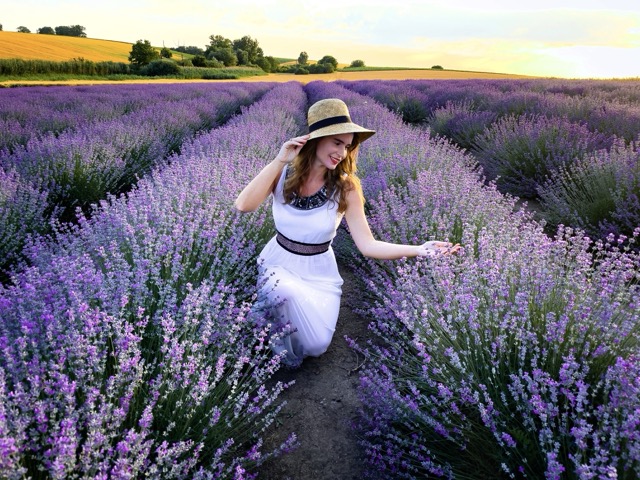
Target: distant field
{"points": [[34, 46]]}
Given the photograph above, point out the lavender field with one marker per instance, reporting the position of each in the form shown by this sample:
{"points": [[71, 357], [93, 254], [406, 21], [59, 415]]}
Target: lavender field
{"points": [[127, 344]]}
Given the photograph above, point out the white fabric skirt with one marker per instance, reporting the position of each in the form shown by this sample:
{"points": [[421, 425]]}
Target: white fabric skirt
{"points": [[302, 293]]}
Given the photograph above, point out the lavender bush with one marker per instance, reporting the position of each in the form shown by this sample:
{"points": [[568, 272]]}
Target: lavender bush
{"points": [[128, 348], [521, 152], [599, 194], [22, 211], [461, 122]]}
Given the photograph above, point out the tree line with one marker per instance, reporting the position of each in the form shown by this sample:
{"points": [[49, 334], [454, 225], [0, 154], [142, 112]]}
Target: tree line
{"points": [[65, 30], [225, 52]]}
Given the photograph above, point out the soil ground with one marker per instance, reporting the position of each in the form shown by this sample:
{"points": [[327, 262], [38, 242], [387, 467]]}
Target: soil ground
{"points": [[321, 407]]}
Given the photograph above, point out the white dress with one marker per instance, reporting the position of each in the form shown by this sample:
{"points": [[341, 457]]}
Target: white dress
{"points": [[302, 291]]}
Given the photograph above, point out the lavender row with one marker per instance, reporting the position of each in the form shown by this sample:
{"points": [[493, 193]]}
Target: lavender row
{"points": [[524, 133], [80, 166], [610, 107], [128, 348], [517, 358], [30, 113]]}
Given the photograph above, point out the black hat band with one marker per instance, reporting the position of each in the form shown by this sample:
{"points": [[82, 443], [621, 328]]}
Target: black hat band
{"points": [[329, 121]]}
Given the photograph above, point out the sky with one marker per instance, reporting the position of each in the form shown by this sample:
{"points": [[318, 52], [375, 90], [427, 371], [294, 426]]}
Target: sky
{"points": [[550, 38]]}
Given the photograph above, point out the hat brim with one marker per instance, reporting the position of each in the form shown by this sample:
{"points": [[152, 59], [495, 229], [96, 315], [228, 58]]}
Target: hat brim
{"points": [[340, 128]]}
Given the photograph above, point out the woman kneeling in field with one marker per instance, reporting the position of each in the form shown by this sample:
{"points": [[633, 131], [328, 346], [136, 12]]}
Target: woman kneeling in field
{"points": [[313, 184]]}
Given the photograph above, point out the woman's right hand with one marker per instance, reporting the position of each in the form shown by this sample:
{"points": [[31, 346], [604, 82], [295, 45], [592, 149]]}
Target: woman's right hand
{"points": [[291, 148]]}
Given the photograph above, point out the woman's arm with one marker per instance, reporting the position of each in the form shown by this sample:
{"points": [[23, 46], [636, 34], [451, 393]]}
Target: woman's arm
{"points": [[263, 184], [370, 247]]}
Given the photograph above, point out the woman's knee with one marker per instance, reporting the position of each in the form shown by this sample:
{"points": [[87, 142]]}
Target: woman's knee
{"points": [[319, 345]]}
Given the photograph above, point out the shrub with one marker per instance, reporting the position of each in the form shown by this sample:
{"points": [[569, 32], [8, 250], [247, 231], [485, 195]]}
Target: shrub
{"points": [[599, 193], [437, 67], [357, 64], [320, 68], [24, 210], [460, 122], [520, 152], [328, 59], [199, 61], [163, 67]]}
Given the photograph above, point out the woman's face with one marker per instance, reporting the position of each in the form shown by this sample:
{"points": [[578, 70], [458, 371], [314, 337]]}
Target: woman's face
{"points": [[331, 150]]}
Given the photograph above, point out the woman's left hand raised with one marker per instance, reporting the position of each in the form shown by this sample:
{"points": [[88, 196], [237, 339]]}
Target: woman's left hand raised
{"points": [[435, 248]]}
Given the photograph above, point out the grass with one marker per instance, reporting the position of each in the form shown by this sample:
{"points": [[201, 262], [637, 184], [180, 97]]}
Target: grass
{"points": [[189, 73]]}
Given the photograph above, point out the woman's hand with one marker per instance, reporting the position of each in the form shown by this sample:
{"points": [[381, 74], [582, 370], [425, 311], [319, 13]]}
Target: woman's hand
{"points": [[434, 248], [291, 148]]}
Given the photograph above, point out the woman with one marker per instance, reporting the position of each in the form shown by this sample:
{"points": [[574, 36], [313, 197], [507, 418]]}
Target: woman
{"points": [[313, 184]]}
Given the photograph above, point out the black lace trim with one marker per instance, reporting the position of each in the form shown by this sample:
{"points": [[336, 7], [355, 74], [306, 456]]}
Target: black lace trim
{"points": [[316, 200]]}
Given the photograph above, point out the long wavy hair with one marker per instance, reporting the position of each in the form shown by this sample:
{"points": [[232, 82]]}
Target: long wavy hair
{"points": [[339, 181]]}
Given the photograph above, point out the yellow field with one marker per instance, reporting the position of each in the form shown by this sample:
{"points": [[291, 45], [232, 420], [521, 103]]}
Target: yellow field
{"points": [[33, 46]]}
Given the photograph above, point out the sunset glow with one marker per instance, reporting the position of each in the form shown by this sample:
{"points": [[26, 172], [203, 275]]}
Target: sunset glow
{"points": [[570, 39]]}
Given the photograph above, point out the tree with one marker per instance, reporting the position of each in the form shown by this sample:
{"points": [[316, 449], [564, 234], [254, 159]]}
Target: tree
{"points": [[243, 57], [303, 58], [329, 59], [142, 53], [22, 29], [225, 55], [217, 42], [357, 64], [221, 49], [268, 64], [46, 31], [264, 64], [165, 53], [0, 27], [71, 31], [250, 46], [190, 50]]}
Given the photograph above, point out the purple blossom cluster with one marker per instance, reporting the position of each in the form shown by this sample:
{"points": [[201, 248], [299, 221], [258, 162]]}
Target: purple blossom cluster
{"points": [[128, 347], [75, 166], [517, 358]]}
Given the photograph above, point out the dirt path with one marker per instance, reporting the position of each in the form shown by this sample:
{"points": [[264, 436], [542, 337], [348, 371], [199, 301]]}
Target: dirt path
{"points": [[321, 407]]}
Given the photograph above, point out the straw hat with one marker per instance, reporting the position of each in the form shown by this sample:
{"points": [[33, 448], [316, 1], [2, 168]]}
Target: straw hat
{"points": [[331, 117]]}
